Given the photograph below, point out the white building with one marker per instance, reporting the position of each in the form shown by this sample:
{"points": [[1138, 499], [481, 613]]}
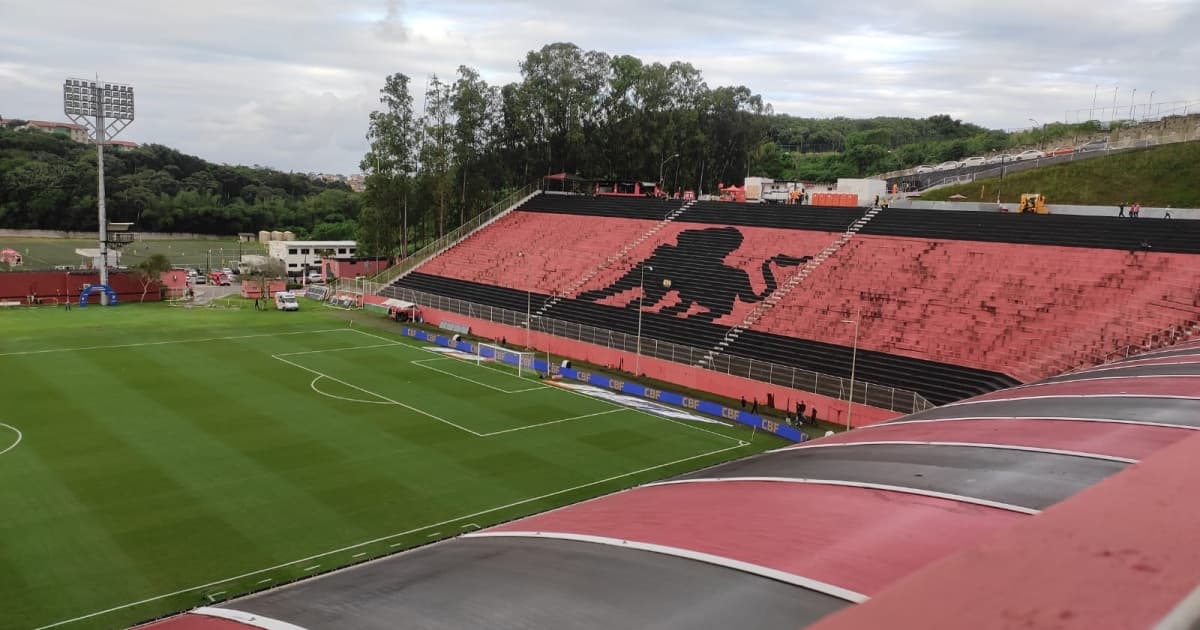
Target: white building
{"points": [[301, 256], [90, 257]]}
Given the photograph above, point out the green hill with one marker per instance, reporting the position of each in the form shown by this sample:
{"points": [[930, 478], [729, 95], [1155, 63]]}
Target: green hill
{"points": [[1160, 176]]}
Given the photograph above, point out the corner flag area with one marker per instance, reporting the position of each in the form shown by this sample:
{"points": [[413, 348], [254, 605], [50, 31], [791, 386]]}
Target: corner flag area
{"points": [[157, 459]]}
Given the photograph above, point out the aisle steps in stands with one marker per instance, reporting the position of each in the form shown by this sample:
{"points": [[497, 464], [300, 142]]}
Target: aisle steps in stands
{"points": [[574, 287], [762, 307]]}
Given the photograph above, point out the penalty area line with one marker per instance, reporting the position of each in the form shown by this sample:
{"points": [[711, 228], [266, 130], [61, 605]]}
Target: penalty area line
{"points": [[379, 396], [457, 519], [313, 386]]}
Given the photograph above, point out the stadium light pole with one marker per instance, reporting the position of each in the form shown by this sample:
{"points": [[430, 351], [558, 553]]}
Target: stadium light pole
{"points": [[105, 110], [663, 164], [853, 364], [637, 361]]}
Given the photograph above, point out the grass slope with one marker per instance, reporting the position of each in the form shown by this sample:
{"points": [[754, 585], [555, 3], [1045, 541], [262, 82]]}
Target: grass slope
{"points": [[1159, 177], [45, 253], [174, 455]]}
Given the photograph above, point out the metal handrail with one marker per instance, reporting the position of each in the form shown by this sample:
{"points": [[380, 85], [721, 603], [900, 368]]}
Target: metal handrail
{"points": [[509, 202], [870, 394]]}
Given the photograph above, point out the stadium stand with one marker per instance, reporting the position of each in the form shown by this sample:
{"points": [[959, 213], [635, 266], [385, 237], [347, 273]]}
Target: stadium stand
{"points": [[936, 520], [952, 304], [992, 306]]}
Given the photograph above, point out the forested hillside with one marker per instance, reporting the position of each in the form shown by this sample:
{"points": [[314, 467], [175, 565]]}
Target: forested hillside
{"points": [[49, 182]]}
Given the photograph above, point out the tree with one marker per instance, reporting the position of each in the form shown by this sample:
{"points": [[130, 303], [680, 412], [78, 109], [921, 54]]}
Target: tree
{"points": [[472, 105], [391, 163], [437, 146], [150, 271]]}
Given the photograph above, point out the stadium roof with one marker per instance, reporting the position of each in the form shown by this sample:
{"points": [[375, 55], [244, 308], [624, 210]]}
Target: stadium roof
{"points": [[1020, 507]]}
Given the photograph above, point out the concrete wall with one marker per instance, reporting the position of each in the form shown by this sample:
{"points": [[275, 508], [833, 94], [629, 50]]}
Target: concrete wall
{"points": [[61, 285], [684, 375]]}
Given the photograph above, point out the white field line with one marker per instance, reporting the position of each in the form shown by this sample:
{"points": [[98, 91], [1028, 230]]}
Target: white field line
{"points": [[292, 354], [173, 341], [381, 539], [379, 396], [20, 436], [313, 385], [422, 362], [740, 442], [647, 413], [391, 341], [534, 426]]}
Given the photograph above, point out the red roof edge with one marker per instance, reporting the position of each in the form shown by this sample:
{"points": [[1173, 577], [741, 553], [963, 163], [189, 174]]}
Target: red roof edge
{"points": [[1121, 554]]}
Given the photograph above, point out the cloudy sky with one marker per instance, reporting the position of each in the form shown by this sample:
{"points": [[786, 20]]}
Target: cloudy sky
{"points": [[289, 83]]}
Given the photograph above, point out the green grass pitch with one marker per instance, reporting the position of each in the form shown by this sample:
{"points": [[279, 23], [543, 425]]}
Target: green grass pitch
{"points": [[153, 459]]}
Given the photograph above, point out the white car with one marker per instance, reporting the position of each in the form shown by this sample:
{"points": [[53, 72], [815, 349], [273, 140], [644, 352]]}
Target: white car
{"points": [[286, 301], [947, 166], [314, 277], [1031, 154], [999, 159], [925, 168], [973, 161]]}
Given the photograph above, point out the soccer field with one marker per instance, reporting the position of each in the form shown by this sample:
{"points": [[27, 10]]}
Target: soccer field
{"points": [[154, 459], [45, 253]]}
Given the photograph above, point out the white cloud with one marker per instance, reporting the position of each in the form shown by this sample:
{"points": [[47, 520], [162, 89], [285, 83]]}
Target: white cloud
{"points": [[289, 82]]}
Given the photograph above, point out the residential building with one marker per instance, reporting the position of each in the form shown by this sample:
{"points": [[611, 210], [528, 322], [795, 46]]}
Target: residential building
{"points": [[71, 130]]}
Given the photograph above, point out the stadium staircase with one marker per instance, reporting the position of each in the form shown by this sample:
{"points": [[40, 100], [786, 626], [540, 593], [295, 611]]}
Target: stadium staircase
{"points": [[572, 289], [762, 307]]}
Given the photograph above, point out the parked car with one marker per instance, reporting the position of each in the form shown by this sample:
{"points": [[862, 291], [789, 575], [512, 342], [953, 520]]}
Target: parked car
{"points": [[314, 277], [999, 159], [286, 301], [1094, 145], [947, 166], [973, 161], [1065, 149], [1031, 154], [199, 279], [925, 168]]}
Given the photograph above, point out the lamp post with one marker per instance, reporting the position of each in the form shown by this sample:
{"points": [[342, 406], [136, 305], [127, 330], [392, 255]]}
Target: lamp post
{"points": [[1042, 137], [637, 361], [853, 364], [663, 164], [1149, 104], [1095, 95], [105, 110]]}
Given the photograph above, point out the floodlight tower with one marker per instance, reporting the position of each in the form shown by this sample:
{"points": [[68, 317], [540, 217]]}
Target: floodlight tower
{"points": [[105, 110]]}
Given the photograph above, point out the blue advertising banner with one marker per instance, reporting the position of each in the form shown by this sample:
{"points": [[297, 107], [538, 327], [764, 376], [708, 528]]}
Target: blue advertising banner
{"points": [[635, 389]]}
